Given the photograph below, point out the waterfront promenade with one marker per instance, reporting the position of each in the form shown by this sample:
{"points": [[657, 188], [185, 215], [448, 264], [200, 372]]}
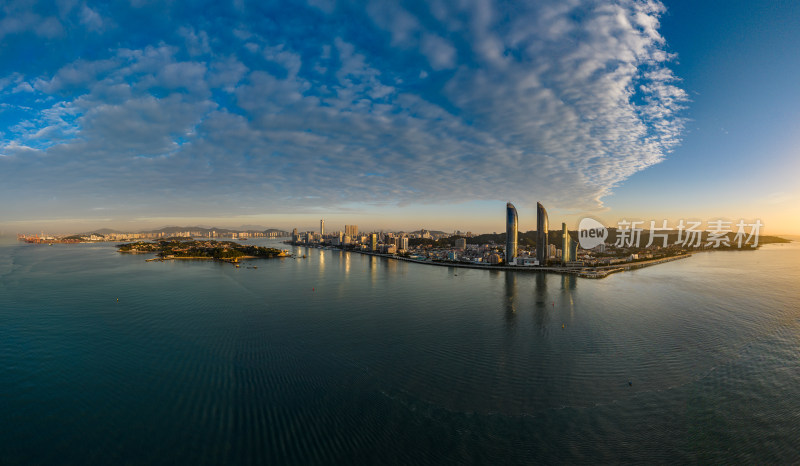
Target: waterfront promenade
{"points": [[584, 272]]}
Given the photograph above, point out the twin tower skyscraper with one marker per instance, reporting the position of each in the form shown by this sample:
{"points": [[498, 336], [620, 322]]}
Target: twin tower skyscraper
{"points": [[512, 233]]}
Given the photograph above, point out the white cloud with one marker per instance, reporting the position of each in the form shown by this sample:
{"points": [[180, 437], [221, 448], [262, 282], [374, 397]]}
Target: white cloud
{"points": [[15, 149], [142, 126], [399, 22], [20, 16], [188, 75], [197, 43], [290, 61], [23, 87], [325, 5], [48, 27], [91, 19], [80, 73], [557, 101], [440, 53], [226, 73]]}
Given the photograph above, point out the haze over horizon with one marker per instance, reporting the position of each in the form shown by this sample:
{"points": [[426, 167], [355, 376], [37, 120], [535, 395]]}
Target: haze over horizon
{"points": [[140, 115]]}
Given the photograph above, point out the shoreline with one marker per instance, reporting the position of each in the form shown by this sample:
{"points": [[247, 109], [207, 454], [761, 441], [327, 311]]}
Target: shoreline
{"points": [[200, 258], [232, 260], [583, 272]]}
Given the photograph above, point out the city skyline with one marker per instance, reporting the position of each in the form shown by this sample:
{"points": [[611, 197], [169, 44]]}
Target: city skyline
{"points": [[425, 115], [495, 227]]}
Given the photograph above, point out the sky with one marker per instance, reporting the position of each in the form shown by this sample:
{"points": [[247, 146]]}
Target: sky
{"points": [[396, 115]]}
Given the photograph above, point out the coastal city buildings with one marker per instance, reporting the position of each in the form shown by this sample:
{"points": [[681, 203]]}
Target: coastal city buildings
{"points": [[511, 249], [465, 248], [164, 233]]}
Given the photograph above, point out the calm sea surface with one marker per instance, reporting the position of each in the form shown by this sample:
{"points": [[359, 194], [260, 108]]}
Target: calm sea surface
{"points": [[345, 358]]}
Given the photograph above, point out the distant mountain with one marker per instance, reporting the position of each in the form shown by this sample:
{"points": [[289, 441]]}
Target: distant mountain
{"points": [[433, 232], [171, 230], [102, 231], [251, 228]]}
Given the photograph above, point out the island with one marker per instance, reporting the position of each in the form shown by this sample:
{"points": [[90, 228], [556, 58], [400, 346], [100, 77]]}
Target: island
{"points": [[187, 248]]}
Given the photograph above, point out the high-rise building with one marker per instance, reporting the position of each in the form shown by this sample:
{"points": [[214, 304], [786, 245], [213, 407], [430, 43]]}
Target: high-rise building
{"points": [[511, 232], [565, 245], [461, 243], [351, 231], [542, 249], [403, 245], [322, 227], [373, 242], [573, 250]]}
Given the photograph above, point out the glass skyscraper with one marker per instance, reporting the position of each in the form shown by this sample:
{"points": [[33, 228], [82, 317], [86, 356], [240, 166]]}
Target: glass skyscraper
{"points": [[573, 250], [511, 232], [541, 237]]}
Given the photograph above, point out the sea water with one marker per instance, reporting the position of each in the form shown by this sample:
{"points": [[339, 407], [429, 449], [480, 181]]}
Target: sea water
{"points": [[340, 357]]}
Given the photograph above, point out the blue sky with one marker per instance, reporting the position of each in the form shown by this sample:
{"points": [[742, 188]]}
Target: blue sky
{"points": [[395, 114]]}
